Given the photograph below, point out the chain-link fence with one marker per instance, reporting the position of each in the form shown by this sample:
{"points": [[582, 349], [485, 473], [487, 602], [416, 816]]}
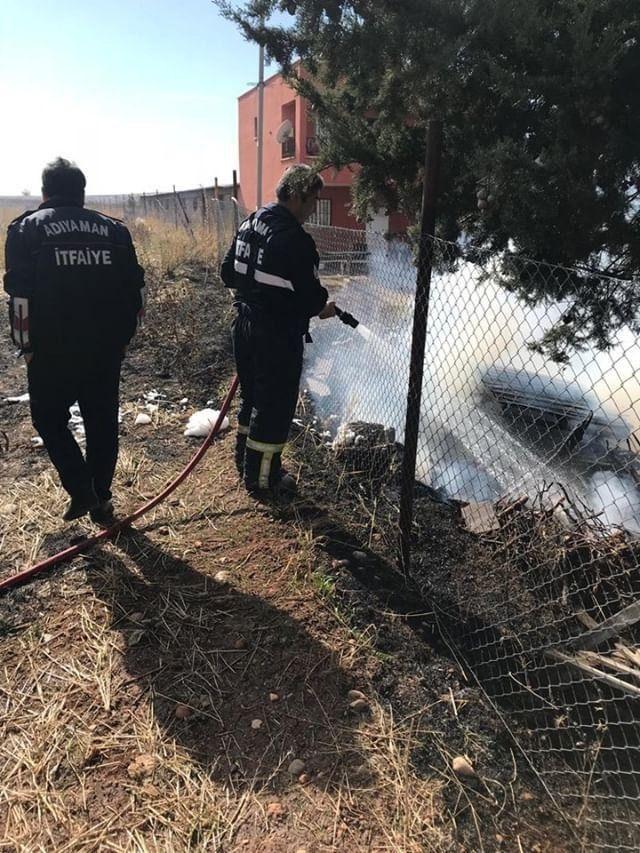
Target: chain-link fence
{"points": [[532, 558], [525, 533]]}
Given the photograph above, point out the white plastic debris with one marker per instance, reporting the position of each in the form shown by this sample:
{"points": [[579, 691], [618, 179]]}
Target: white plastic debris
{"points": [[183, 402], [345, 438], [37, 441], [200, 423], [142, 418], [23, 398]]}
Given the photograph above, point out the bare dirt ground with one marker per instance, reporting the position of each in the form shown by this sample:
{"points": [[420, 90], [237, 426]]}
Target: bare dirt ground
{"points": [[189, 686]]}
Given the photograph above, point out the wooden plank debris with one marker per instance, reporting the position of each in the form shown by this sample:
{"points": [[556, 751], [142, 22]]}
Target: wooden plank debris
{"points": [[628, 654], [576, 663], [595, 659], [586, 620], [480, 517], [506, 509], [611, 627]]}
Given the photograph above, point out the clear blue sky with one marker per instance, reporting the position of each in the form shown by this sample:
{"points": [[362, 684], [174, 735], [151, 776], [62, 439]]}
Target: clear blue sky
{"points": [[141, 93]]}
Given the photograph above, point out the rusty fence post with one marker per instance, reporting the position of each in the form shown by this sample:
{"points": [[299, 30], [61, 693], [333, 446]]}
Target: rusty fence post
{"points": [[419, 337], [175, 208], [203, 197], [187, 221]]}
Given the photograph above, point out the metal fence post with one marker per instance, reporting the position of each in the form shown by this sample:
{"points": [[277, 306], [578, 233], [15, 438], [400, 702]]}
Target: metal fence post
{"points": [[187, 221], [175, 207], [204, 207], [218, 222], [419, 337]]}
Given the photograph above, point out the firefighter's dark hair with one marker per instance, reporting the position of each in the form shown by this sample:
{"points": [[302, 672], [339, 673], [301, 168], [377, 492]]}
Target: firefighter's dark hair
{"points": [[63, 178], [299, 179]]}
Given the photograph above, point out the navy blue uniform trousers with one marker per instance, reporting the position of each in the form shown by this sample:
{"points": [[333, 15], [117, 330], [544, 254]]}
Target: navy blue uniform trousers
{"points": [[269, 363], [93, 380]]}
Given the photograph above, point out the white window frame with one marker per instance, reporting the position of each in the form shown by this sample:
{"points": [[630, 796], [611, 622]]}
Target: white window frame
{"points": [[322, 213]]}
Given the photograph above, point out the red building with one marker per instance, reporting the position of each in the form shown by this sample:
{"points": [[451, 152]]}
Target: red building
{"points": [[283, 104]]}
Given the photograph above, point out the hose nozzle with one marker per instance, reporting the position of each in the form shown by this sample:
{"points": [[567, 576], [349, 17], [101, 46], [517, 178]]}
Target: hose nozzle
{"points": [[346, 318]]}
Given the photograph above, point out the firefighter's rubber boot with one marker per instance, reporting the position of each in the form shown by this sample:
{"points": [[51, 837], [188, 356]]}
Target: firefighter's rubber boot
{"points": [[103, 515], [285, 485], [80, 504], [264, 475]]}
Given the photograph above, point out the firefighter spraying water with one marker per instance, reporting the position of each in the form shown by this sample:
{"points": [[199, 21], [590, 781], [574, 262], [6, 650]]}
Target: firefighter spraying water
{"points": [[272, 265]]}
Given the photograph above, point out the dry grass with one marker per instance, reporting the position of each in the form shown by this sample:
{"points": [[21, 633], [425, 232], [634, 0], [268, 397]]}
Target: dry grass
{"points": [[75, 714], [49, 753], [78, 708], [76, 717], [96, 659], [163, 249], [6, 215]]}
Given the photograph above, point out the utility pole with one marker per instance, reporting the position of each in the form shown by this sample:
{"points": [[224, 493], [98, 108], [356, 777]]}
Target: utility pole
{"points": [[234, 199], [260, 126]]}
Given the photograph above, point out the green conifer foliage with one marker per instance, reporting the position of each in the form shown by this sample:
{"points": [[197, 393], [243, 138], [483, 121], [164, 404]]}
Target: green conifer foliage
{"points": [[540, 101]]}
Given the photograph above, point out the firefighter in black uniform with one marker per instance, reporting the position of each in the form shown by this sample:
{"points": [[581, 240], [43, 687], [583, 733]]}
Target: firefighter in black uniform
{"points": [[273, 267], [75, 297]]}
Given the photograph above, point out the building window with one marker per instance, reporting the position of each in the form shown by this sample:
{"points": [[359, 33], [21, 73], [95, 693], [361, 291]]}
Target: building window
{"points": [[289, 148], [288, 145], [255, 127], [312, 146], [322, 215], [195, 203]]}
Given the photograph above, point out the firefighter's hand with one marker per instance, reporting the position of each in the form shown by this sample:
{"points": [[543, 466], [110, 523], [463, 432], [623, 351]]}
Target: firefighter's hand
{"points": [[329, 310], [28, 357]]}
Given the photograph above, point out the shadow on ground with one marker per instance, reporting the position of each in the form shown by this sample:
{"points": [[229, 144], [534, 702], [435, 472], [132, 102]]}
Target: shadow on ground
{"points": [[225, 659]]}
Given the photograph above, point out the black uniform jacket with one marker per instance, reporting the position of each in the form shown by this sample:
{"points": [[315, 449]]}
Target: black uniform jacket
{"points": [[273, 266], [74, 283]]}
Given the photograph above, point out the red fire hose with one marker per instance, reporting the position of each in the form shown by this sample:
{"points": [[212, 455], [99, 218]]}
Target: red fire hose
{"points": [[86, 544]]}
